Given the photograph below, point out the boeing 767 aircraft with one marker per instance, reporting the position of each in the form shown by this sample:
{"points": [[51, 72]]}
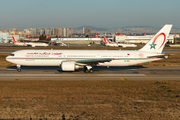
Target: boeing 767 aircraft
{"points": [[70, 60], [28, 43], [113, 44]]}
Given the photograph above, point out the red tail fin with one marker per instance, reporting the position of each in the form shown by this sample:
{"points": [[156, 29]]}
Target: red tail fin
{"points": [[118, 34], [106, 41], [96, 35], [174, 36], [145, 34], [14, 39], [47, 36], [28, 36]]}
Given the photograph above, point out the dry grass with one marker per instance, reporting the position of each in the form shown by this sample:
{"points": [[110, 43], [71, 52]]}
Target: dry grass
{"points": [[172, 61], [3, 62], [90, 99]]}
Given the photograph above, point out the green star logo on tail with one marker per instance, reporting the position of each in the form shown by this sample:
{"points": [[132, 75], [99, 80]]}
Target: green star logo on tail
{"points": [[152, 45]]}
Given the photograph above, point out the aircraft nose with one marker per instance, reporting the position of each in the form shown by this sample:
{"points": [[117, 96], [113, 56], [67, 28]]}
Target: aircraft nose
{"points": [[7, 59]]}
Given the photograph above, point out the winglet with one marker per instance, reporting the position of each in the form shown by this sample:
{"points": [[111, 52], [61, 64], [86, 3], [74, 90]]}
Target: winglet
{"points": [[156, 44]]}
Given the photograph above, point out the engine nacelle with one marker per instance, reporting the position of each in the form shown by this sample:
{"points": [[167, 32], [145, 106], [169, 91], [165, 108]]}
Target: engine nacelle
{"points": [[69, 66]]}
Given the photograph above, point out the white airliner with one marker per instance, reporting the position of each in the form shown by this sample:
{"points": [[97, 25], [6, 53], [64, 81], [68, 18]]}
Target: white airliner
{"points": [[28, 43], [18, 43], [113, 44], [69, 60], [37, 44], [59, 41]]}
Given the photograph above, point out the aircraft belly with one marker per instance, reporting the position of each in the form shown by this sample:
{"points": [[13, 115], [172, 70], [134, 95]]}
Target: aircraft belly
{"points": [[126, 62]]}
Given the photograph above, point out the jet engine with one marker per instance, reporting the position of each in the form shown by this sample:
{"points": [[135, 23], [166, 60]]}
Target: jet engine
{"points": [[69, 66]]}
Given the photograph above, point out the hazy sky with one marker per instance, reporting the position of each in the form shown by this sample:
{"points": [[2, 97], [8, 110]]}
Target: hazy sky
{"points": [[22, 14]]}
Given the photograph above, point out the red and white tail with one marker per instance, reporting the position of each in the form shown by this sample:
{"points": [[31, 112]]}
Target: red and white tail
{"points": [[174, 36], [96, 36], [106, 41], [156, 44], [47, 36], [28, 36], [14, 39], [144, 34], [118, 34]]}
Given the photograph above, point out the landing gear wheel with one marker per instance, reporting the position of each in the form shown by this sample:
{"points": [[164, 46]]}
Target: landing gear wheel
{"points": [[91, 71], [86, 70], [19, 69]]}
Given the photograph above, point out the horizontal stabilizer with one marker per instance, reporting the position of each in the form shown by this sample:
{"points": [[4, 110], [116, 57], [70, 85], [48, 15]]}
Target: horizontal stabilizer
{"points": [[159, 56]]}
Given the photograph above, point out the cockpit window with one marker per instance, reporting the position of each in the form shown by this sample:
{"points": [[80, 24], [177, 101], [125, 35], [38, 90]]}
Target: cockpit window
{"points": [[11, 55]]}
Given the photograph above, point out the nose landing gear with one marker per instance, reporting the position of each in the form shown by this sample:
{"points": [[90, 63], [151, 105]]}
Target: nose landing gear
{"points": [[19, 68]]}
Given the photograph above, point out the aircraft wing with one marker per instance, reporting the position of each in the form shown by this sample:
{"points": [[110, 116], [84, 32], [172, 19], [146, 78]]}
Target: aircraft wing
{"points": [[93, 61]]}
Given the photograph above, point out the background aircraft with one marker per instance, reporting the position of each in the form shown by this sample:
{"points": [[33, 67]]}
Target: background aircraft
{"points": [[32, 44], [113, 44], [96, 36], [18, 43]]}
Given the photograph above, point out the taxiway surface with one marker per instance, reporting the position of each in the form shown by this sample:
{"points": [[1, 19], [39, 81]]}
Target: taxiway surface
{"points": [[100, 73]]}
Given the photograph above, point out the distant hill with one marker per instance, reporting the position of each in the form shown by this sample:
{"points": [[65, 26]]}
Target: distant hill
{"points": [[128, 29], [138, 27], [92, 28]]}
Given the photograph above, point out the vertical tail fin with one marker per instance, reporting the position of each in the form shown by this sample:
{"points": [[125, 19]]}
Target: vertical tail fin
{"points": [[174, 36], [106, 41], [28, 36], [47, 36], [96, 35], [14, 39], [156, 44]]}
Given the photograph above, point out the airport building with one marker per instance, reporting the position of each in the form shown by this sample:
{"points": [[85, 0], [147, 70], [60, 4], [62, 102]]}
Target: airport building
{"points": [[6, 38], [62, 32], [139, 39], [3, 37]]}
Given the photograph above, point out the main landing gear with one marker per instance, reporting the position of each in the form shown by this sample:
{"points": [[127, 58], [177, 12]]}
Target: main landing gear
{"points": [[88, 69], [19, 68]]}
